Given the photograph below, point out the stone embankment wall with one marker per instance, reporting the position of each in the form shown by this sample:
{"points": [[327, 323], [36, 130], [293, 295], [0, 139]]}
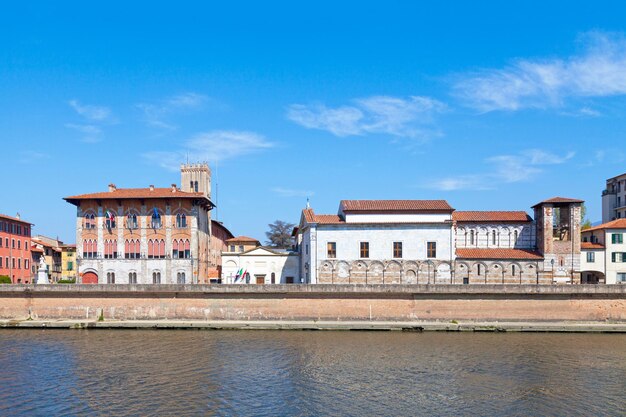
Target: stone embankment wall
{"points": [[316, 302]]}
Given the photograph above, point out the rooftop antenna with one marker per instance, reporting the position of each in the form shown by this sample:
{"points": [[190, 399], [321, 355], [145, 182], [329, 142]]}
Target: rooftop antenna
{"points": [[308, 205]]}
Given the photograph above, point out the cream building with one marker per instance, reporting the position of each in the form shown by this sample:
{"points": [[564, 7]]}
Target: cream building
{"points": [[259, 265], [603, 257]]}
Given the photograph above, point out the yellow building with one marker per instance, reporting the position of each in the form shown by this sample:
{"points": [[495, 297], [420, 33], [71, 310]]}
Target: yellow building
{"points": [[68, 262]]}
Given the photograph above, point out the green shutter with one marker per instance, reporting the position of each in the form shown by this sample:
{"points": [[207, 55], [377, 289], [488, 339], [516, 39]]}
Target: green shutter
{"points": [[612, 256]]}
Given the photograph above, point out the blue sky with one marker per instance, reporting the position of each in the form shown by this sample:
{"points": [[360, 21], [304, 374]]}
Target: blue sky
{"points": [[490, 106]]}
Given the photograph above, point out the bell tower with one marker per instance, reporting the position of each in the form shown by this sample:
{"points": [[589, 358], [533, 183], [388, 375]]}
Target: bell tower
{"points": [[196, 178], [558, 222]]}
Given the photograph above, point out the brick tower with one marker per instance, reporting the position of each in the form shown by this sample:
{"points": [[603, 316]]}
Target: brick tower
{"points": [[558, 223]]}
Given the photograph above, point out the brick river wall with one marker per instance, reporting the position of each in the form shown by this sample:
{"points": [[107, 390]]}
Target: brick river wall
{"points": [[316, 302]]}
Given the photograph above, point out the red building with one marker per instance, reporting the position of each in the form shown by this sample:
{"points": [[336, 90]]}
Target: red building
{"points": [[15, 249]]}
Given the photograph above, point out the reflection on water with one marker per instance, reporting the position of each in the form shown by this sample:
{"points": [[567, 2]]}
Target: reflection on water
{"points": [[273, 373]]}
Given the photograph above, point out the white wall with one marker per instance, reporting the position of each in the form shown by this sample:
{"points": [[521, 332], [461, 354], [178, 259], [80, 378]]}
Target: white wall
{"points": [[261, 262], [381, 237], [397, 218], [505, 235]]}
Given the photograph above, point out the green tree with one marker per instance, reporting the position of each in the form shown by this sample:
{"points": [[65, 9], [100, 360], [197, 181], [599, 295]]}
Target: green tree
{"points": [[586, 223], [279, 235]]}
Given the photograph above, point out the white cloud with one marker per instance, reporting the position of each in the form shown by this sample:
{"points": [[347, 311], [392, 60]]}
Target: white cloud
{"points": [[504, 169], [90, 133], [90, 112], [156, 114], [213, 146], [377, 114], [287, 192], [598, 71], [27, 157]]}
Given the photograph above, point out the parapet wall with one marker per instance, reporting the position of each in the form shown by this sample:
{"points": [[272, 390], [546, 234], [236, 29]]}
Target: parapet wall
{"points": [[593, 303]]}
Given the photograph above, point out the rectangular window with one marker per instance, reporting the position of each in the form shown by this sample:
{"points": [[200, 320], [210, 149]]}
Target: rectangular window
{"points": [[70, 265], [621, 277], [397, 249], [240, 248], [331, 248], [232, 248], [617, 238], [618, 257], [591, 257], [431, 250], [365, 249]]}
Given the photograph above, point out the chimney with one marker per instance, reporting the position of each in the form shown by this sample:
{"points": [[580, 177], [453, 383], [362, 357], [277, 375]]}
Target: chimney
{"points": [[173, 188], [112, 188], [151, 187]]}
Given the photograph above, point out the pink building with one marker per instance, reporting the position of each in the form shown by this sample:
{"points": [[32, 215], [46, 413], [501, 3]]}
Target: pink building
{"points": [[15, 249]]}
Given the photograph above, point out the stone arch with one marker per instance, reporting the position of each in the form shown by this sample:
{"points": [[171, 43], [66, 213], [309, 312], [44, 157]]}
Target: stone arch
{"points": [[462, 273], [326, 273], [375, 272], [90, 276], [443, 273], [496, 273], [342, 273], [461, 236], [478, 272], [393, 272], [358, 272], [530, 273], [483, 236]]}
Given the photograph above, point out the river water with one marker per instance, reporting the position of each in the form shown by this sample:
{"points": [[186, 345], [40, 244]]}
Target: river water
{"points": [[291, 373]]}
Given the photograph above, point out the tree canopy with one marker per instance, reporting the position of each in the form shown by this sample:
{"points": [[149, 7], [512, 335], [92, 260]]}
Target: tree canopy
{"points": [[279, 234]]}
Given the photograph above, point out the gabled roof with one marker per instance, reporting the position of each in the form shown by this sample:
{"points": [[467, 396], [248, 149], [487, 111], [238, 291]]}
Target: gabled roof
{"points": [[138, 193], [557, 200], [615, 224], [311, 217], [242, 239], [498, 253], [590, 245], [394, 206], [491, 216]]}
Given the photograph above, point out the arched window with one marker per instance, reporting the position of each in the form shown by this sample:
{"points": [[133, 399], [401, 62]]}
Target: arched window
{"points": [[195, 186], [110, 249], [109, 219], [131, 249], [187, 253], [180, 278], [132, 277], [150, 249], [478, 270], [513, 270], [472, 237], [156, 277], [273, 281], [162, 249], [515, 236], [493, 237], [131, 221], [110, 277], [90, 221], [156, 219], [181, 220], [175, 249]]}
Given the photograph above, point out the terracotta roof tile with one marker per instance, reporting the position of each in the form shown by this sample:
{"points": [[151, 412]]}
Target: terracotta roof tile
{"points": [[127, 193], [395, 205], [15, 219], [36, 249], [491, 216], [554, 200], [615, 224], [498, 253], [590, 245], [242, 239]]}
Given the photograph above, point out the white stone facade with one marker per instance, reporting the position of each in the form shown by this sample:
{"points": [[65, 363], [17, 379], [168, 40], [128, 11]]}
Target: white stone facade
{"points": [[614, 199], [263, 266]]}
